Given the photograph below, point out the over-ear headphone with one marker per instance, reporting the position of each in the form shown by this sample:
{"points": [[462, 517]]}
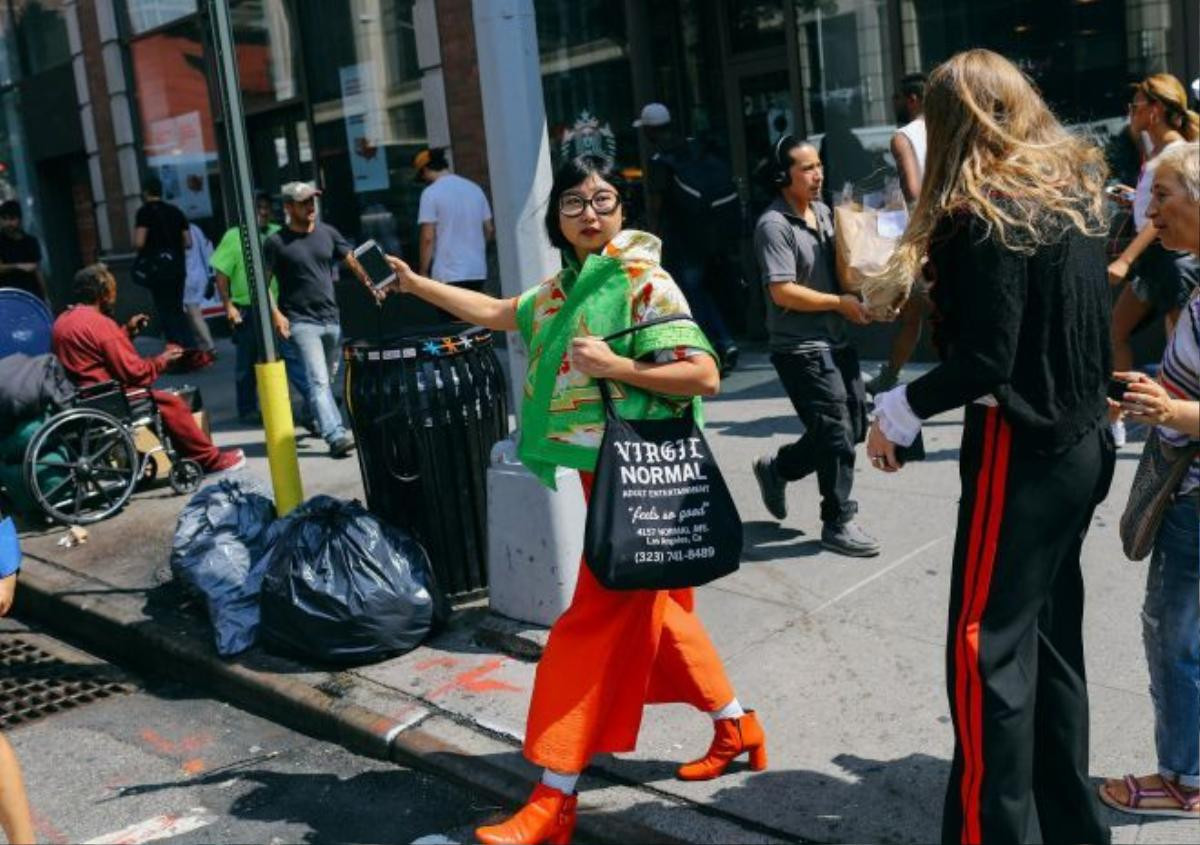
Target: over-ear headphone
{"points": [[781, 168]]}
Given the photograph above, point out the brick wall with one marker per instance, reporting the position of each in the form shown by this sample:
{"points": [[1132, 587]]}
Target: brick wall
{"points": [[464, 106]]}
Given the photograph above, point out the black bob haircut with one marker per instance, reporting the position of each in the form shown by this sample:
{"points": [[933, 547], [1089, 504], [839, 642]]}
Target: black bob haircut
{"points": [[571, 174], [89, 284]]}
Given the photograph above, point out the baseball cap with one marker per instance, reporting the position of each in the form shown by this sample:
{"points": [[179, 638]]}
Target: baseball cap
{"points": [[299, 191], [653, 114]]}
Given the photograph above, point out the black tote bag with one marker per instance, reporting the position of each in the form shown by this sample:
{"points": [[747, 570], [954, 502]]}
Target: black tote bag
{"points": [[660, 515]]}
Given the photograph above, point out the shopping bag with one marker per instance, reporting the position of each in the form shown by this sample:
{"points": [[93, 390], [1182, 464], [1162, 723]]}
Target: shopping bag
{"points": [[660, 515], [865, 234]]}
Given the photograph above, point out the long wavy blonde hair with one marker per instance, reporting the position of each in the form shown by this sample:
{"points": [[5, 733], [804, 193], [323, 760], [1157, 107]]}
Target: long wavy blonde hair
{"points": [[996, 151]]}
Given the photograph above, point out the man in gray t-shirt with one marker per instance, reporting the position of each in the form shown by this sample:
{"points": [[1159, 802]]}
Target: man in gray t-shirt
{"points": [[806, 319]]}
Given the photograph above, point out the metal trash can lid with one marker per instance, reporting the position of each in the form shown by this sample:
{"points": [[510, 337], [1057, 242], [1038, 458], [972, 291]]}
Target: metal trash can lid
{"points": [[25, 323], [420, 346]]}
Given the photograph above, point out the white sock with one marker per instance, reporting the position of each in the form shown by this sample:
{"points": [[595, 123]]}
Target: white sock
{"points": [[732, 710], [563, 783]]}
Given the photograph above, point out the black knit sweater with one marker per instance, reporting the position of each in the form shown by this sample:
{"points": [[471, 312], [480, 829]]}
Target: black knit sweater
{"points": [[1032, 330]]}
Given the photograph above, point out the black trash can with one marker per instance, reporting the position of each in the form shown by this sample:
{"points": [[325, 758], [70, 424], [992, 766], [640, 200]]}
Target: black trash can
{"points": [[426, 410]]}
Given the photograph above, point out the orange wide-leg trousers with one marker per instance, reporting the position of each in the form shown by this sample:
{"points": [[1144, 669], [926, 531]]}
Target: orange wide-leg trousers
{"points": [[608, 655]]}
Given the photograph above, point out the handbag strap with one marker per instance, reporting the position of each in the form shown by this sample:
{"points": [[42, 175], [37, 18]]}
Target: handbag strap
{"points": [[657, 321], [610, 409]]}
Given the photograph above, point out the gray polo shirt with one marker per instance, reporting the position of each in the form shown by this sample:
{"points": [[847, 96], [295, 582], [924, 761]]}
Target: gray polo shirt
{"points": [[788, 250]]}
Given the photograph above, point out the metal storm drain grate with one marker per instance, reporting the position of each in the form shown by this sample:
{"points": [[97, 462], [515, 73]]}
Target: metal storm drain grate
{"points": [[35, 684]]}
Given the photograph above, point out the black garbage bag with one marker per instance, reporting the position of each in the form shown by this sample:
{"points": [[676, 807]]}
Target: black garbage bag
{"points": [[218, 552], [343, 587]]}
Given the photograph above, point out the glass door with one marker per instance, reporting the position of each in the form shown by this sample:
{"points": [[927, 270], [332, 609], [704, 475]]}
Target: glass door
{"points": [[280, 151], [763, 112]]}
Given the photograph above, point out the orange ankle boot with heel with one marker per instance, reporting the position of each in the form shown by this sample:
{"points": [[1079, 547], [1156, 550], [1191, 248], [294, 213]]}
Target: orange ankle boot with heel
{"points": [[547, 817], [733, 738]]}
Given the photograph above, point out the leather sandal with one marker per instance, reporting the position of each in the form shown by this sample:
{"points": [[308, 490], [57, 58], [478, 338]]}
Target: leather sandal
{"points": [[1185, 804]]}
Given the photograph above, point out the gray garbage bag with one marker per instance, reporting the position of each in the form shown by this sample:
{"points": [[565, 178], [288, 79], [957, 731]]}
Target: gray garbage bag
{"points": [[218, 553], [343, 587]]}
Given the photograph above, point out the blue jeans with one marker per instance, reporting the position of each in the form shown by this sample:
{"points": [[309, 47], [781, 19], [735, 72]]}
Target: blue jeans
{"points": [[1171, 634], [317, 348], [245, 339]]}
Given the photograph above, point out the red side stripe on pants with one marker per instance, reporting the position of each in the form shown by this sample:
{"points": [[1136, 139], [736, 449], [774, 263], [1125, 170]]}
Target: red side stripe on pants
{"points": [[981, 558]]}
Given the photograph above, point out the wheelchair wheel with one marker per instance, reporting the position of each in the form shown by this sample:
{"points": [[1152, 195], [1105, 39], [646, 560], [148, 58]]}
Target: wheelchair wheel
{"points": [[81, 466], [185, 476]]}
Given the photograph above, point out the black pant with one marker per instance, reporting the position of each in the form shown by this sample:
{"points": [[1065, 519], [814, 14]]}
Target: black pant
{"points": [[167, 293], [826, 389], [1014, 647]]}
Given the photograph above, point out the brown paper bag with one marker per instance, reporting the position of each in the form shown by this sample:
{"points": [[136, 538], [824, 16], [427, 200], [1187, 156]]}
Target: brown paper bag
{"points": [[864, 240]]}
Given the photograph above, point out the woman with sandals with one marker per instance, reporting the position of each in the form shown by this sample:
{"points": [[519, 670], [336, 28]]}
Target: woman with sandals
{"points": [[1010, 221], [611, 652], [1171, 613]]}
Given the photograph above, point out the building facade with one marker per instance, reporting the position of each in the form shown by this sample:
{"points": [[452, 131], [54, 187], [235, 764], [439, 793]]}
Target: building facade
{"points": [[97, 94]]}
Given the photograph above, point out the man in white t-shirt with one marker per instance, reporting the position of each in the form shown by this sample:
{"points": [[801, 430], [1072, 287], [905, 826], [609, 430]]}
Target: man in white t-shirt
{"points": [[908, 149], [456, 223]]}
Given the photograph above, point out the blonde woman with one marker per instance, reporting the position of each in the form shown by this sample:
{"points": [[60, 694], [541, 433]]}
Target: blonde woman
{"points": [[1162, 279], [1010, 220]]}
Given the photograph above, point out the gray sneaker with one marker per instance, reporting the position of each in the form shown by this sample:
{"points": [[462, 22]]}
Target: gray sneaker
{"points": [[884, 381], [849, 539], [341, 447], [772, 487]]}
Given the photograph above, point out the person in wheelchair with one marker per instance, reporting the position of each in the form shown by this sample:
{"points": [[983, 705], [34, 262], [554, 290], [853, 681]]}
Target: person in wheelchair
{"points": [[94, 349]]}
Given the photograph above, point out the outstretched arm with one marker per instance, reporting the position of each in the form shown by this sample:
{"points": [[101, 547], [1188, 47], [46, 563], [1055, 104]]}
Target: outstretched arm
{"points": [[477, 308]]}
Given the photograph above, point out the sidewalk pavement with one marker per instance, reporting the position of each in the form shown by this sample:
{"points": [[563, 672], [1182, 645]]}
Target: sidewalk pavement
{"points": [[843, 658]]}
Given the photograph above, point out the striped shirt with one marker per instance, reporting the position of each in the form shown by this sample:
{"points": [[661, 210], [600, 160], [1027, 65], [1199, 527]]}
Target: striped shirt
{"points": [[1181, 377]]}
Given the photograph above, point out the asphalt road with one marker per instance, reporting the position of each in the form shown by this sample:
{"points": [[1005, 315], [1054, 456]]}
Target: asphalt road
{"points": [[156, 761]]}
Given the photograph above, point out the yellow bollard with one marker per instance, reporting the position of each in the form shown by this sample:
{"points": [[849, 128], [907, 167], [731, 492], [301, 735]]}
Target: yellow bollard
{"points": [[281, 435]]}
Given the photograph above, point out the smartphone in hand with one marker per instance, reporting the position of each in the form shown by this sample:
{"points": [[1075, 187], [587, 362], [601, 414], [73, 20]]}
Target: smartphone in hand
{"points": [[1117, 389], [374, 263]]}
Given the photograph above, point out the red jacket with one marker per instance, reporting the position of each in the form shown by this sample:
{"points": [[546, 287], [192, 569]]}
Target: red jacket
{"points": [[94, 349]]}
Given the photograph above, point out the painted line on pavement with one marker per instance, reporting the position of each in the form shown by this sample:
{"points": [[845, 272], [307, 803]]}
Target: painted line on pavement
{"points": [[879, 574], [159, 827]]}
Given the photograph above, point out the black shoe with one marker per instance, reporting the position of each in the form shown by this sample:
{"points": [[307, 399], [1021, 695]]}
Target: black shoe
{"points": [[729, 360], [849, 539], [772, 487], [341, 447]]}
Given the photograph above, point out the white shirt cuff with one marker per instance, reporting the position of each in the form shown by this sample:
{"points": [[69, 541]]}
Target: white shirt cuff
{"points": [[896, 418]]}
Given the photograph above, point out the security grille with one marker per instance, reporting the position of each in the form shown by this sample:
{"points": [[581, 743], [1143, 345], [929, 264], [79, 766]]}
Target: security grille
{"points": [[35, 684]]}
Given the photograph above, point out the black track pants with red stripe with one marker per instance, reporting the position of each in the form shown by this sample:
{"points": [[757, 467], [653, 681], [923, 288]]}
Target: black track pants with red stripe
{"points": [[1014, 648]]}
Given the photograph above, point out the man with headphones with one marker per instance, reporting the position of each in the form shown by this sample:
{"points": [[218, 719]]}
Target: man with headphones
{"points": [[806, 320]]}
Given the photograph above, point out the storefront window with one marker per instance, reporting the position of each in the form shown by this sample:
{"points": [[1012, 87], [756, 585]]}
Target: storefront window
{"points": [[149, 14], [369, 117], [1080, 54], [847, 85], [176, 116], [755, 24], [586, 79], [262, 36], [16, 178], [34, 36]]}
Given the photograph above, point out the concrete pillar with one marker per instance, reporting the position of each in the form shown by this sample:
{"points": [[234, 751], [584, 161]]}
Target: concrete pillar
{"points": [[106, 119], [518, 149]]}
